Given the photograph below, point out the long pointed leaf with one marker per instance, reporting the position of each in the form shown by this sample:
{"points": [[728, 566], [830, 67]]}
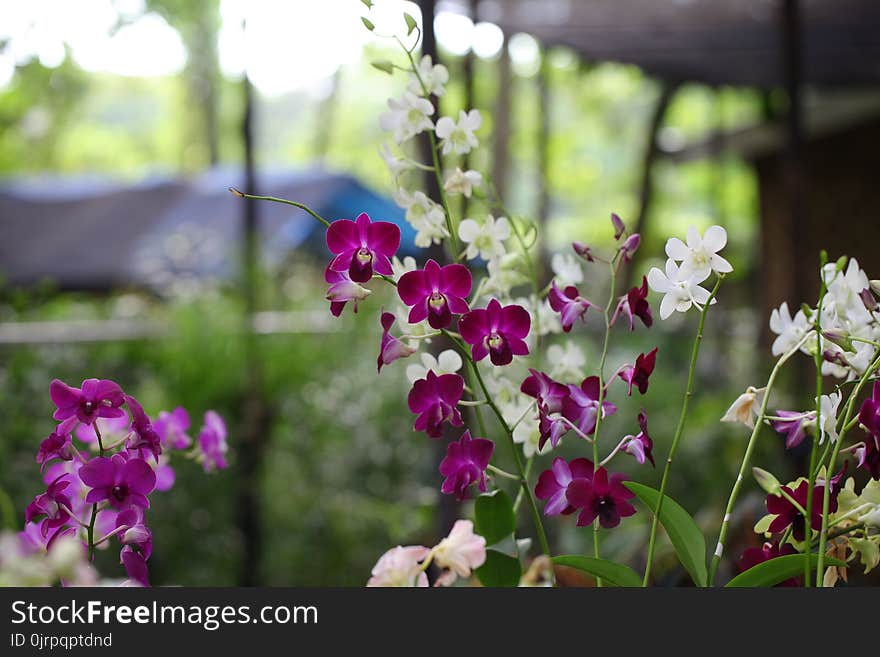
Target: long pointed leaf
{"points": [[686, 537], [778, 569], [612, 573]]}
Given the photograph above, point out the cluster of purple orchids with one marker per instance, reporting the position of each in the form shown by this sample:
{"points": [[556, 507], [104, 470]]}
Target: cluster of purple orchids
{"points": [[102, 462]]}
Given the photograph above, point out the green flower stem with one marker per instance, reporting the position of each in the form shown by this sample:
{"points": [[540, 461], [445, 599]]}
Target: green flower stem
{"points": [[842, 532], [91, 528], [275, 199], [501, 473], [530, 461], [747, 457], [826, 496], [817, 360], [612, 284], [679, 430]]}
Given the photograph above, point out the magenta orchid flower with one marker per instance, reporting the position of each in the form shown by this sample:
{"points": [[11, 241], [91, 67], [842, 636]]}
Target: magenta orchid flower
{"points": [[601, 497], [794, 426], [752, 556], [59, 444], [570, 305], [434, 400], [641, 446], [53, 506], [362, 246], [629, 247], [391, 348], [581, 407], [212, 442], [639, 373], [96, 398], [549, 395], [123, 482], [144, 438], [497, 331], [172, 428], [342, 290], [436, 293], [136, 533], [635, 304], [868, 456], [465, 464], [553, 484], [135, 566]]}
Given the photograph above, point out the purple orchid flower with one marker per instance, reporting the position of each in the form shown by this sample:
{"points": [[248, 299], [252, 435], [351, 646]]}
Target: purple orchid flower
{"points": [[639, 374], [96, 398], [136, 533], [123, 482], [391, 348], [465, 464], [569, 304], [550, 395], [59, 444], [362, 246], [629, 247], [618, 225], [496, 330], [583, 250], [795, 428], [753, 556], [868, 455], [172, 428], [145, 437], [212, 442], [342, 290], [601, 497], [641, 446], [635, 304], [788, 515], [581, 407], [436, 293], [135, 566], [554, 483], [434, 400], [53, 506], [869, 412]]}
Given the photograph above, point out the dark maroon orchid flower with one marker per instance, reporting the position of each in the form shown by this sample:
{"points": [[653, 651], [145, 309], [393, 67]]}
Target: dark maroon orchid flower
{"points": [[391, 348], [96, 398], [639, 374], [634, 304], [362, 246], [465, 464], [868, 455], [123, 482], [553, 484], [434, 400], [569, 303], [496, 330], [787, 514], [581, 406], [436, 293], [601, 497], [753, 556], [641, 446]]}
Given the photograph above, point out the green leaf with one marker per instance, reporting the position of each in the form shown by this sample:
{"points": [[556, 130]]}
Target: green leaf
{"points": [[499, 570], [778, 569], [368, 3], [384, 65], [368, 23], [494, 516], [686, 537], [410, 23], [612, 573]]}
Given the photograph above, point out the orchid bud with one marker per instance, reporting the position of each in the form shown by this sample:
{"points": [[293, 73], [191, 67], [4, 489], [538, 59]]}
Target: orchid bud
{"points": [[767, 482], [619, 226], [840, 338], [630, 246], [583, 251], [835, 357], [840, 265], [869, 299]]}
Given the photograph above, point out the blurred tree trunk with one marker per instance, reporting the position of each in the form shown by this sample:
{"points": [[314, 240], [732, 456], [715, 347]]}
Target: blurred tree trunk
{"points": [[501, 124]]}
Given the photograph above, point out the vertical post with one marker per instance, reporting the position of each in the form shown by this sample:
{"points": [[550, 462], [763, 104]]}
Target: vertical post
{"points": [[253, 416]]}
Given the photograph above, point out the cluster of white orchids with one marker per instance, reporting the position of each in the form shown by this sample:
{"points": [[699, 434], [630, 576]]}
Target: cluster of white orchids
{"points": [[489, 358]]}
